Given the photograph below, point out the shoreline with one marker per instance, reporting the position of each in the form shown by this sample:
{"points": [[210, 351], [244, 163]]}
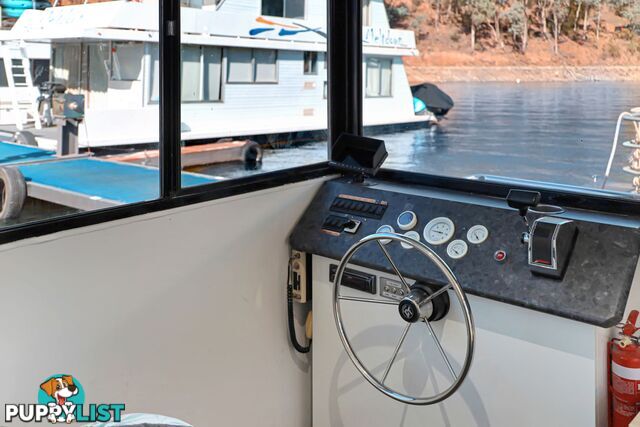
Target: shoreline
{"points": [[543, 73]]}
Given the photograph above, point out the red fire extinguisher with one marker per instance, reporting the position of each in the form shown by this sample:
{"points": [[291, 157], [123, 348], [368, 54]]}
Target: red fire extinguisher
{"points": [[624, 373]]}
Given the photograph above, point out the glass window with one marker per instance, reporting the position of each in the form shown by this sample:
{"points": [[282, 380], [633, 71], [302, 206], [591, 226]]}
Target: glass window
{"points": [[266, 65], [240, 65], [294, 9], [3, 75], [310, 62], [284, 8], [212, 68], [99, 67], [478, 93], [126, 61], [378, 77], [272, 118], [201, 73], [106, 155], [153, 71], [252, 65], [191, 73], [67, 64], [39, 71]]}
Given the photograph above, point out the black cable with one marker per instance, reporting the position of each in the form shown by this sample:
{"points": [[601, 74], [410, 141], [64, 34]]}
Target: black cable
{"points": [[292, 329]]}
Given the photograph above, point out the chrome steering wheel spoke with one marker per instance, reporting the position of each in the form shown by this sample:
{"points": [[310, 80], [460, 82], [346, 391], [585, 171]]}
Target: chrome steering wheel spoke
{"points": [[418, 304]]}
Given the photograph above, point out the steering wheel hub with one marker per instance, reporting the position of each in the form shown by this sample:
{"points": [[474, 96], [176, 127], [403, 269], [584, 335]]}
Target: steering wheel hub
{"points": [[415, 306], [422, 305]]}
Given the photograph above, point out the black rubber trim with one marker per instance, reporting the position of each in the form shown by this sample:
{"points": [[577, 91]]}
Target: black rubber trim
{"points": [[550, 195], [186, 197]]}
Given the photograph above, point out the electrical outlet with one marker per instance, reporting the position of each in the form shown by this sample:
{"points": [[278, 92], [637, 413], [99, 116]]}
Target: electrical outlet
{"points": [[299, 277]]}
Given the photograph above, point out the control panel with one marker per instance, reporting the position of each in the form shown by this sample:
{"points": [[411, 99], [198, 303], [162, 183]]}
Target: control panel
{"points": [[391, 289], [360, 206], [561, 268]]}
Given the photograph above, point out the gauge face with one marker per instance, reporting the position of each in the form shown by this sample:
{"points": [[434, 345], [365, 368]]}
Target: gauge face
{"points": [[385, 229], [477, 234], [412, 235], [457, 249], [439, 231], [407, 220]]}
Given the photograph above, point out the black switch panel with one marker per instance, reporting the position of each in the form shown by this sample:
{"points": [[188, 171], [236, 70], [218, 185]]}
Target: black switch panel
{"points": [[337, 223], [355, 279], [358, 206]]}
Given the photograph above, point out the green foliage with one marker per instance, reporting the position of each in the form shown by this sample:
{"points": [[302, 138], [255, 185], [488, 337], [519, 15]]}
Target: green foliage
{"points": [[515, 17], [515, 22], [397, 15]]}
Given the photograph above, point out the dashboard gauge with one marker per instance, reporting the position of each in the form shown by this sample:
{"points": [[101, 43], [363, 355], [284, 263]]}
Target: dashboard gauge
{"points": [[412, 235], [407, 220], [385, 229], [477, 234], [457, 249], [439, 231]]}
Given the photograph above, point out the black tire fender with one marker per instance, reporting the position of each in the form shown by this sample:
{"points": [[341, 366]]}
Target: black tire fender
{"points": [[13, 192]]}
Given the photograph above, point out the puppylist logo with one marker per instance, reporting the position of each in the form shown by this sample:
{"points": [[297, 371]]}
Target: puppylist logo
{"points": [[61, 399]]}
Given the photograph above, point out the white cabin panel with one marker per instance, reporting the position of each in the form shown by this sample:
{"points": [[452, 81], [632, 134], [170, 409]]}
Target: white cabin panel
{"points": [[181, 313]]}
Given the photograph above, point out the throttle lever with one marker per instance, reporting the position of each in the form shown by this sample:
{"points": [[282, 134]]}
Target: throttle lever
{"points": [[523, 200]]}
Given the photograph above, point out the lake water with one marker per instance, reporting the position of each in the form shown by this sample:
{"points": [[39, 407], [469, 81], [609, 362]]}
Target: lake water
{"points": [[555, 132]]}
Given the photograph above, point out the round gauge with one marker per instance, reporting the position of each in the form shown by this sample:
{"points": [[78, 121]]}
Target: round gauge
{"points": [[407, 220], [385, 229], [477, 234], [457, 249], [439, 230], [412, 235]]}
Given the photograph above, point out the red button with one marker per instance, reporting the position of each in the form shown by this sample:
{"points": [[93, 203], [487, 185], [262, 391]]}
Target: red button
{"points": [[500, 256]]}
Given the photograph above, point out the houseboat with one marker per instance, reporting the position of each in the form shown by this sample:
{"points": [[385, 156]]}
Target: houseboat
{"points": [[248, 68]]}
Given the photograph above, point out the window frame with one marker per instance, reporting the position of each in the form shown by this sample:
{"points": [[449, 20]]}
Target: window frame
{"points": [[284, 10], [314, 62], [113, 54], [344, 104], [222, 81], [380, 59], [253, 81]]}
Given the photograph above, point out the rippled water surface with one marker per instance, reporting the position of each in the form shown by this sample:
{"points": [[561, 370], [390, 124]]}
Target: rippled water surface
{"points": [[556, 132]]}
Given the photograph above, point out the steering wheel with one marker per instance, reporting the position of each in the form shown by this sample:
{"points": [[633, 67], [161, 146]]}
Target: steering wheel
{"points": [[419, 305]]}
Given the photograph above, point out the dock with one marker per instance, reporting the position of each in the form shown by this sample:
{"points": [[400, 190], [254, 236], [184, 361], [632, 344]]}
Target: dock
{"points": [[83, 182]]}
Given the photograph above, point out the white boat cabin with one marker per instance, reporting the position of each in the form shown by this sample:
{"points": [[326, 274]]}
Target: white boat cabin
{"points": [[248, 68]]}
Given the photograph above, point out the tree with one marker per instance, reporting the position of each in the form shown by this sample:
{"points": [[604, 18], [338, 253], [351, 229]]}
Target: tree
{"points": [[559, 11], [478, 12], [519, 24], [543, 12]]}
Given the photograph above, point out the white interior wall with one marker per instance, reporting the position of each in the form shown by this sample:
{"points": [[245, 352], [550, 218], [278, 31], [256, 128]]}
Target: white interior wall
{"points": [[180, 312]]}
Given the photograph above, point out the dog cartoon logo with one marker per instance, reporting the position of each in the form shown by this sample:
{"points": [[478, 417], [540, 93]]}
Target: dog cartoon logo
{"points": [[61, 399], [60, 388]]}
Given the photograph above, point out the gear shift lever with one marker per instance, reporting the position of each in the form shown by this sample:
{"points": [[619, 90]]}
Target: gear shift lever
{"points": [[522, 200]]}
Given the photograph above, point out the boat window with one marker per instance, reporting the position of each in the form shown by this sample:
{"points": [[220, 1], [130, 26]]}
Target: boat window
{"points": [[39, 71], [240, 65], [67, 64], [98, 67], [378, 77], [284, 8], [126, 61], [212, 69], [311, 63], [153, 71], [3, 75], [477, 94], [252, 65], [266, 65], [191, 77], [271, 118]]}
